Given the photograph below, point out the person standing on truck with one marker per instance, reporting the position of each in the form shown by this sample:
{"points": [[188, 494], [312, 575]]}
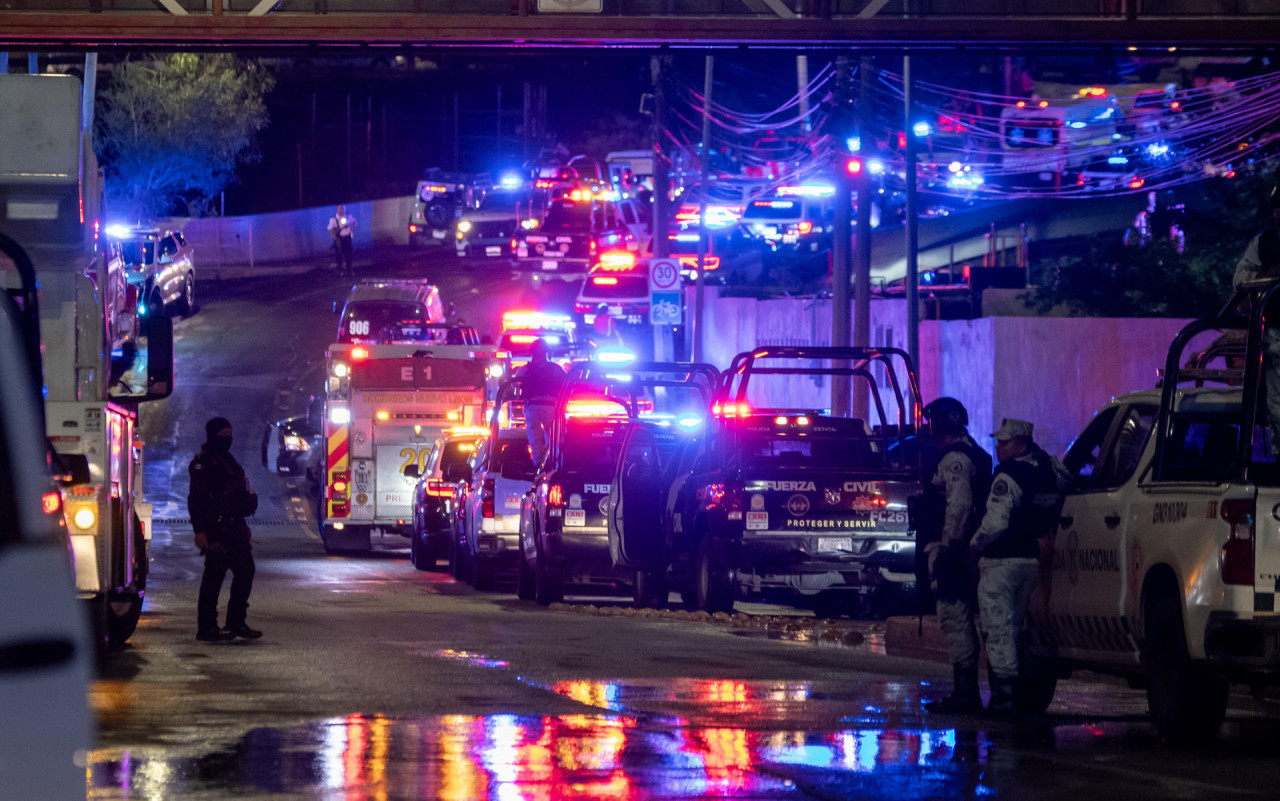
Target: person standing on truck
{"points": [[541, 382], [341, 227], [219, 500], [1022, 509], [954, 501]]}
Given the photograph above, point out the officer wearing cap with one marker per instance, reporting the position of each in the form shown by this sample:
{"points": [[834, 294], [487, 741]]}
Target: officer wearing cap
{"points": [[219, 500], [955, 497], [1022, 508]]}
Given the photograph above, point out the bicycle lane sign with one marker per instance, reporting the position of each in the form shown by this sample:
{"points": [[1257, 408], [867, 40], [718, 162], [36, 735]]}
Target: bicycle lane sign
{"points": [[664, 292]]}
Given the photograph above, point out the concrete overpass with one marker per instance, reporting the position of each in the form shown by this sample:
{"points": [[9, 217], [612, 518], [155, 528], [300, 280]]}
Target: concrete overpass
{"points": [[786, 24]]}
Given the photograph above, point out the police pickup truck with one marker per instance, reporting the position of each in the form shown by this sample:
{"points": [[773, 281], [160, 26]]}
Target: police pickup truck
{"points": [[563, 533], [1166, 564], [780, 500]]}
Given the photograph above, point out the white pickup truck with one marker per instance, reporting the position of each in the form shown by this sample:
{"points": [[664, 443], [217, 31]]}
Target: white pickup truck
{"points": [[1166, 563]]}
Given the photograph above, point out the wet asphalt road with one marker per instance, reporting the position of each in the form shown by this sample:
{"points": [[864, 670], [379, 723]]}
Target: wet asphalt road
{"points": [[376, 681]]}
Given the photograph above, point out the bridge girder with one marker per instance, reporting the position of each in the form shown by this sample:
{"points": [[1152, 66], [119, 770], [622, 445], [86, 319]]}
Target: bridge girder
{"points": [[115, 30]]}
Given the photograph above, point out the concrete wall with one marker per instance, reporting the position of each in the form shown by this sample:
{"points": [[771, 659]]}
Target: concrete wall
{"points": [[292, 236], [1055, 372]]}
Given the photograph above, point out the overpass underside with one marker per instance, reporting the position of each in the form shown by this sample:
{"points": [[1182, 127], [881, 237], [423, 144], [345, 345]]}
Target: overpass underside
{"points": [[784, 24]]}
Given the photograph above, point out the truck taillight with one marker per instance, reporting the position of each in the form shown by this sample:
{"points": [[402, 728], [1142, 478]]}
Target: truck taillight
{"points": [[439, 489], [486, 499], [341, 483], [51, 502], [728, 497], [513, 245], [555, 496], [1237, 554]]}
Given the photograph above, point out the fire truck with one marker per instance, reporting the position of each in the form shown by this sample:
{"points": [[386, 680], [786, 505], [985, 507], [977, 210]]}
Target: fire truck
{"points": [[385, 407], [97, 363]]}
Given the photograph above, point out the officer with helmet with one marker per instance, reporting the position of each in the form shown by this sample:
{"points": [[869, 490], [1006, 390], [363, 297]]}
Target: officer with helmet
{"points": [[953, 505]]}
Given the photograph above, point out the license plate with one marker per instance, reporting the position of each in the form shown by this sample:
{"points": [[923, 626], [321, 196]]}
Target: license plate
{"points": [[835, 543], [438, 234], [575, 517], [511, 502], [493, 251], [550, 265], [757, 521]]}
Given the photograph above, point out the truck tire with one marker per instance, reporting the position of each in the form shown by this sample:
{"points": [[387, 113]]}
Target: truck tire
{"points": [[548, 581], [187, 301], [524, 579], [1032, 694], [1187, 700], [419, 557], [482, 575], [714, 581], [650, 590]]}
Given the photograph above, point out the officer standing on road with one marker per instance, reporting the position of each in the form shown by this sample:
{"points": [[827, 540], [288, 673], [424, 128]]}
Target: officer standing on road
{"points": [[341, 227], [542, 380], [955, 495], [220, 499], [1022, 508]]}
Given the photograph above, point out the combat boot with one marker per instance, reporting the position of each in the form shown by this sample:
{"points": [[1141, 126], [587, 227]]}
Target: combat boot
{"points": [[964, 698], [1001, 704]]}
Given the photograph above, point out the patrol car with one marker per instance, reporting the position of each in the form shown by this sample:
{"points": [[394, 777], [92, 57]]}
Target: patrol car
{"points": [[780, 499], [563, 520], [569, 239], [376, 303], [1166, 564], [495, 482], [433, 495]]}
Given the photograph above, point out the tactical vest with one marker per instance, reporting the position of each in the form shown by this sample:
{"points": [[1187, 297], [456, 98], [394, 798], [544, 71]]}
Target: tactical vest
{"points": [[934, 503], [1036, 514]]}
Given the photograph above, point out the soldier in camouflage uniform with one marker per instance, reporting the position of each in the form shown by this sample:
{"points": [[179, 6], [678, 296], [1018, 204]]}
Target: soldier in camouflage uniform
{"points": [[957, 492], [1023, 507], [220, 499]]}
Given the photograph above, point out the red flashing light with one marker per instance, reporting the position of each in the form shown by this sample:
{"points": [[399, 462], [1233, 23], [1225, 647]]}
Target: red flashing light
{"points": [[1044, 104], [1021, 104], [853, 166], [604, 280], [966, 272], [51, 502], [594, 408], [1136, 183], [555, 495], [1237, 553], [1231, 173], [523, 339], [1175, 106], [731, 410], [805, 227], [359, 354], [616, 261], [413, 229], [902, 140], [486, 500]]}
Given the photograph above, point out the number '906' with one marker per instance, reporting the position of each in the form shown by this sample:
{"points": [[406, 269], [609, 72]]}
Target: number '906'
{"points": [[358, 328]]}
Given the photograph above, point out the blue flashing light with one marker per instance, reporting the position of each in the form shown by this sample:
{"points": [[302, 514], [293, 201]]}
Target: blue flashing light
{"points": [[875, 166], [1118, 160], [853, 143], [1078, 125], [921, 129], [142, 309], [1157, 149], [688, 421], [615, 355], [511, 182]]}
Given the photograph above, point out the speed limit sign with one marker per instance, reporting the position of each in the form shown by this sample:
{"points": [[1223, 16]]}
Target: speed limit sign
{"points": [[664, 275]]}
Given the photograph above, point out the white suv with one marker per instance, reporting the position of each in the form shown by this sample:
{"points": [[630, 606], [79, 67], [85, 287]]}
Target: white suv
{"points": [[502, 474], [1166, 563]]}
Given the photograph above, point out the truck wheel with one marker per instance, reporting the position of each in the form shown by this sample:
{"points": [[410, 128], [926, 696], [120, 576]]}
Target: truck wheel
{"points": [[715, 582], [524, 579], [650, 590], [548, 581], [1033, 694], [1187, 700], [123, 611], [482, 574], [187, 302], [418, 555]]}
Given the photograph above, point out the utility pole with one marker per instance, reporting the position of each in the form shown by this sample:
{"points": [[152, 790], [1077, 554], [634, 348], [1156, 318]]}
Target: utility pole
{"points": [[862, 251], [841, 240], [913, 220], [696, 327], [663, 335]]}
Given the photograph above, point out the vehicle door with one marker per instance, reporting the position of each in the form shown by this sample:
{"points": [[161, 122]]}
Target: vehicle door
{"points": [[1050, 610], [636, 501], [515, 476], [1097, 551], [166, 266], [475, 491]]}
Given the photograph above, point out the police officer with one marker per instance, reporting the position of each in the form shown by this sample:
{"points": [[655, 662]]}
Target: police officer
{"points": [[220, 499], [342, 227], [1261, 260], [1022, 507], [542, 380], [957, 491]]}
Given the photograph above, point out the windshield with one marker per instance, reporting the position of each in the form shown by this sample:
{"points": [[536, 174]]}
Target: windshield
{"points": [[457, 453], [616, 286], [500, 201], [138, 253], [567, 216], [837, 452], [365, 321]]}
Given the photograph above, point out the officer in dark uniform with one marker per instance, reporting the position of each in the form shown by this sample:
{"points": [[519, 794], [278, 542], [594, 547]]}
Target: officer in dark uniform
{"points": [[220, 499], [1023, 507], [542, 380], [953, 504]]}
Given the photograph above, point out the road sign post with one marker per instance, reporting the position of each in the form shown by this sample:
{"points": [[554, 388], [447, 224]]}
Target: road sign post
{"points": [[665, 297]]}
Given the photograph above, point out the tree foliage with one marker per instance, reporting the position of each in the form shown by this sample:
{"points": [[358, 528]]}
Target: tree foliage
{"points": [[1114, 279], [171, 130]]}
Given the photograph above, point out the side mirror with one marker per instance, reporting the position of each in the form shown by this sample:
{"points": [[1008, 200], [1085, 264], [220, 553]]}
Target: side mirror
{"points": [[75, 469], [412, 471], [159, 334]]}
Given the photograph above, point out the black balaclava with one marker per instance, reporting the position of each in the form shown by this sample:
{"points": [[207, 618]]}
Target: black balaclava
{"points": [[214, 442]]}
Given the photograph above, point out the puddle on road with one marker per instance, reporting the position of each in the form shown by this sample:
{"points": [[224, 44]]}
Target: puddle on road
{"points": [[509, 758]]}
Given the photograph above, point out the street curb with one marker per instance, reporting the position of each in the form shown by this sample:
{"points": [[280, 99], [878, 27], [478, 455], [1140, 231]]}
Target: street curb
{"points": [[777, 627], [910, 636]]}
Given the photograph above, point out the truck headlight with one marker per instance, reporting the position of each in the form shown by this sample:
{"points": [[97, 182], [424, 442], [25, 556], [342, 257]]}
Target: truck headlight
{"points": [[84, 518], [464, 226], [292, 442]]}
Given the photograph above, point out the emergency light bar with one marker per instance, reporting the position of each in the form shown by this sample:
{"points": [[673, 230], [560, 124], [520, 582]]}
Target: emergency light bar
{"points": [[615, 355], [534, 319], [616, 261], [807, 190]]}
